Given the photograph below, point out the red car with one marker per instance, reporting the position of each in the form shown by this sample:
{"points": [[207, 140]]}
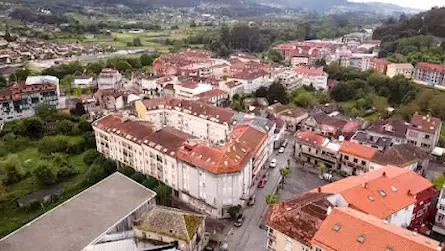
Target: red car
{"points": [[262, 183]]}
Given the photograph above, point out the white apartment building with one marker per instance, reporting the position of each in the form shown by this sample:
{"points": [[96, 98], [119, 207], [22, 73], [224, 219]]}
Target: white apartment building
{"points": [[109, 79], [209, 179], [406, 70], [204, 121], [84, 82], [312, 77], [439, 223], [252, 80], [189, 89], [146, 83], [232, 87]]}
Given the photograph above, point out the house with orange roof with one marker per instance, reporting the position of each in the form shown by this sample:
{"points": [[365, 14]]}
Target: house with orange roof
{"points": [[232, 87], [252, 79], [311, 221], [215, 96], [313, 150], [433, 74], [312, 77], [355, 158], [400, 196], [424, 131]]}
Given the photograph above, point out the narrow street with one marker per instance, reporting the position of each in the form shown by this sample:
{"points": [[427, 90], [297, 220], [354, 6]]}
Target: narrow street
{"points": [[249, 236]]}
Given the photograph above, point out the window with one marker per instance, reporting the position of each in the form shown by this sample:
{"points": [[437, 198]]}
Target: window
{"points": [[318, 249], [304, 248], [336, 228], [355, 160], [288, 245], [394, 189], [371, 198], [363, 163], [309, 149], [346, 157], [427, 136], [440, 217]]}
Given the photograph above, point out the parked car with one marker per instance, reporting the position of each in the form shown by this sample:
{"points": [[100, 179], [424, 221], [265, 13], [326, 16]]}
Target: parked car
{"points": [[262, 183], [239, 221], [273, 163], [251, 200], [284, 143], [281, 150]]}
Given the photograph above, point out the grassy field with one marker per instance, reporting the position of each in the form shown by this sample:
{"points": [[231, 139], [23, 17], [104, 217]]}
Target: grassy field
{"points": [[13, 217]]}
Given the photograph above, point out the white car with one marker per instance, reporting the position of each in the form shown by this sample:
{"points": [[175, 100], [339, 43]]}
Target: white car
{"points": [[281, 150], [273, 163]]}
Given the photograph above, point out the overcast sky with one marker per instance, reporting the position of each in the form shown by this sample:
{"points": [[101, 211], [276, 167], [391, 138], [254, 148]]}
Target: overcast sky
{"points": [[422, 4]]}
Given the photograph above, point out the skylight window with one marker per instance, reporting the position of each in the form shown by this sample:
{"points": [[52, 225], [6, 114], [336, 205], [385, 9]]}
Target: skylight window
{"points": [[394, 189], [388, 249], [371, 198], [336, 228], [361, 239], [382, 193]]}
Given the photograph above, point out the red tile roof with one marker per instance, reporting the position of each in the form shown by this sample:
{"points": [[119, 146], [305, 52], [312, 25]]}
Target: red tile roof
{"points": [[377, 235], [294, 113], [212, 93], [249, 75], [233, 83], [358, 190], [231, 158], [309, 72], [431, 67], [136, 131], [426, 124], [358, 150], [299, 217], [195, 108], [249, 136], [309, 138]]}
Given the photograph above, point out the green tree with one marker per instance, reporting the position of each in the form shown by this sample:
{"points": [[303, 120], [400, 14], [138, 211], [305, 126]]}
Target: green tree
{"points": [[235, 211], [64, 126], [284, 173], [45, 174], [137, 41], [127, 170], [237, 106], [20, 74], [272, 199], [34, 127], [13, 169], [122, 65], [380, 104], [261, 92], [45, 111], [3, 82], [304, 100], [95, 174], [163, 194], [96, 68], [322, 168], [78, 92], [52, 144], [146, 60], [138, 177], [150, 183], [439, 181], [275, 56], [90, 156], [277, 93]]}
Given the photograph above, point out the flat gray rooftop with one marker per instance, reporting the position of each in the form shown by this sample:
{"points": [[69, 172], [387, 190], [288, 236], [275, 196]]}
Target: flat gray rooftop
{"points": [[79, 221]]}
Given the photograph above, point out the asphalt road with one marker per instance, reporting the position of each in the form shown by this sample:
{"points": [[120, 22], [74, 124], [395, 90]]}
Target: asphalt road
{"points": [[249, 236]]}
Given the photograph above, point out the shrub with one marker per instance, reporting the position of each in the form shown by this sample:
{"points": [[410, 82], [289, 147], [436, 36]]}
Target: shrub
{"points": [[128, 171], [52, 144], [44, 174], [13, 170], [138, 177], [90, 156], [150, 183]]}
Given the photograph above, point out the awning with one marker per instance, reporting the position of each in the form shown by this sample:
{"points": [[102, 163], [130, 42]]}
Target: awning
{"points": [[438, 151]]}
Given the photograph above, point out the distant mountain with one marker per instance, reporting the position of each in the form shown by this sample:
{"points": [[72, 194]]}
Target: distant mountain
{"points": [[341, 6]]}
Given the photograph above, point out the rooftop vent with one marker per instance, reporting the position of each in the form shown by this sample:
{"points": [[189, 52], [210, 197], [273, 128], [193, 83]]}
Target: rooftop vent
{"points": [[361, 239], [336, 228], [388, 249]]}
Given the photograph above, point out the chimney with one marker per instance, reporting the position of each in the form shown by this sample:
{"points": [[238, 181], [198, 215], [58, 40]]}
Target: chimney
{"points": [[409, 192], [384, 174], [328, 212], [364, 185], [319, 189]]}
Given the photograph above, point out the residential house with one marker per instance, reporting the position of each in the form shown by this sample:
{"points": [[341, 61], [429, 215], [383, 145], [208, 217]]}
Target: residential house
{"points": [[404, 156], [313, 150], [169, 225], [293, 117], [331, 125], [232, 87], [380, 65], [305, 53], [439, 221], [400, 196], [309, 223], [188, 89], [84, 82], [18, 100], [252, 80], [109, 79], [380, 142], [216, 97], [112, 99], [280, 130], [312, 77], [395, 129], [406, 70], [433, 74], [146, 83], [424, 131], [355, 158]]}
